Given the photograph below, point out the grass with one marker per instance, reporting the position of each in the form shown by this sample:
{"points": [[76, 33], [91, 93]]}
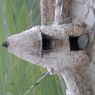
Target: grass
{"points": [[16, 75]]}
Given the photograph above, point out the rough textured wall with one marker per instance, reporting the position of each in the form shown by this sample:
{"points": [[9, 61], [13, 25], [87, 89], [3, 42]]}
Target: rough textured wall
{"points": [[76, 66]]}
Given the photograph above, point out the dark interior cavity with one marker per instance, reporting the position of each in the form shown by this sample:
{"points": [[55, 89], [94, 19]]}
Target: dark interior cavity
{"points": [[74, 43], [46, 42]]}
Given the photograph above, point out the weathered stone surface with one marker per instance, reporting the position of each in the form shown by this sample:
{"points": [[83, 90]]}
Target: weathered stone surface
{"points": [[74, 66], [83, 42], [47, 11], [82, 12], [28, 45]]}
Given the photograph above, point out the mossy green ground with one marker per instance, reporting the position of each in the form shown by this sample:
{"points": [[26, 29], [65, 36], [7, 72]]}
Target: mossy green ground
{"points": [[16, 75]]}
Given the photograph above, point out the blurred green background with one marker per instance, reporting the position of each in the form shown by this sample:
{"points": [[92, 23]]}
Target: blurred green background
{"points": [[16, 75]]}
